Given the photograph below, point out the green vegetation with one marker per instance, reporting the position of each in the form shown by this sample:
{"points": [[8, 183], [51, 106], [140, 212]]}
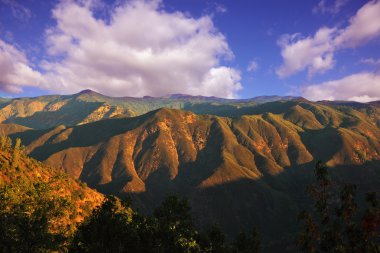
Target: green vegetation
{"points": [[257, 159], [337, 226], [40, 214], [39, 206], [29, 215], [116, 227]]}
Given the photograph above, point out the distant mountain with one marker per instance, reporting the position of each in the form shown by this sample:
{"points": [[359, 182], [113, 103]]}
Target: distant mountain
{"points": [[349, 103], [89, 106], [375, 103], [249, 169]]}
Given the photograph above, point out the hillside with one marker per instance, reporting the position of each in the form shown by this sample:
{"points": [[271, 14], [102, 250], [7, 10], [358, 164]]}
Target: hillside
{"points": [[243, 171], [27, 183]]}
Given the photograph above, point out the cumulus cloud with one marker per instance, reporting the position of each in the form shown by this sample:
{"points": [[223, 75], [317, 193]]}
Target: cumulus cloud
{"points": [[15, 71], [252, 66], [316, 53], [141, 50], [361, 87], [364, 26], [324, 8]]}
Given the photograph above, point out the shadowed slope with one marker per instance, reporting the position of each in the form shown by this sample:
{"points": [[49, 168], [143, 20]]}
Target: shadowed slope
{"points": [[238, 171], [158, 147]]}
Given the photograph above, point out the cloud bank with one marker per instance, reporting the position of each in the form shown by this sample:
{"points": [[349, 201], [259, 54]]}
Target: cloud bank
{"points": [[15, 71], [361, 87], [141, 50], [315, 54]]}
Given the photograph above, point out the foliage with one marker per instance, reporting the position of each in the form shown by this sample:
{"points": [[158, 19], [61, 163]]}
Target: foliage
{"points": [[175, 226], [36, 215], [5, 143], [38, 205], [16, 153], [115, 227], [247, 242], [337, 225], [216, 241], [108, 229], [29, 215]]}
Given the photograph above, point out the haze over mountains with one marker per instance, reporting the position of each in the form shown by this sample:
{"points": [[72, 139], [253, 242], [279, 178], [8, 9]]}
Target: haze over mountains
{"points": [[242, 163]]}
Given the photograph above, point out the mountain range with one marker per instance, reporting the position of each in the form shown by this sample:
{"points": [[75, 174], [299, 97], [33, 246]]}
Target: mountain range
{"points": [[242, 163]]}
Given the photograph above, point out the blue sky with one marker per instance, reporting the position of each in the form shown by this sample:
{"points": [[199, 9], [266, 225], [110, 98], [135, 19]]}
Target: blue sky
{"points": [[322, 49]]}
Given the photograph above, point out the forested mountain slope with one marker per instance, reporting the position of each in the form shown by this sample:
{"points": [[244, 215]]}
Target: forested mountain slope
{"points": [[242, 171]]}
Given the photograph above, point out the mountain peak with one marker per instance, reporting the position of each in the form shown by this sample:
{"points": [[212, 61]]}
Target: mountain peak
{"points": [[87, 91]]}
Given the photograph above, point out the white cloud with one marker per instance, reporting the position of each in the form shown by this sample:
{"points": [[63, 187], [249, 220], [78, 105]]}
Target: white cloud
{"points": [[15, 71], [324, 8], [252, 66], [312, 53], [316, 53], [142, 50], [361, 87], [364, 26]]}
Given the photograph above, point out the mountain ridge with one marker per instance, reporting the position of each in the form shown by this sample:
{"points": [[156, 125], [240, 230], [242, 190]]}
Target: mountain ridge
{"points": [[168, 151], [89, 106], [255, 156]]}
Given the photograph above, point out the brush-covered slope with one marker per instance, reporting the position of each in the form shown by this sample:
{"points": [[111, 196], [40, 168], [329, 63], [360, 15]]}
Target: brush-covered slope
{"points": [[23, 178], [244, 171]]}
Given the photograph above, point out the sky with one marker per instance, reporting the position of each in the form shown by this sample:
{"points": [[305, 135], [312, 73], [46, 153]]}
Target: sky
{"points": [[318, 49]]}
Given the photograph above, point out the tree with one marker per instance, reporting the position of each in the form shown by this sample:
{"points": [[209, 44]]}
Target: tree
{"points": [[217, 240], [336, 225], [108, 229], [176, 232], [247, 242], [16, 153], [115, 227], [5, 143], [28, 215]]}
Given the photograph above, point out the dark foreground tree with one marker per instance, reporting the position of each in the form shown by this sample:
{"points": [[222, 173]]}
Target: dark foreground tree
{"points": [[216, 240], [28, 215], [176, 232], [335, 224], [108, 229], [247, 242], [115, 227]]}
